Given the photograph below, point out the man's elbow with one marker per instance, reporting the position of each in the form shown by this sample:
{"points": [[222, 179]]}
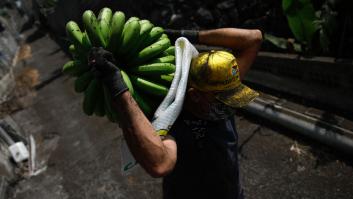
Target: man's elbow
{"points": [[159, 171], [256, 36]]}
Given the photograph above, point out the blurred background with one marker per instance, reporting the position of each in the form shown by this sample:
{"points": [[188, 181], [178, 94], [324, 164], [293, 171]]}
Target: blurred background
{"points": [[295, 141]]}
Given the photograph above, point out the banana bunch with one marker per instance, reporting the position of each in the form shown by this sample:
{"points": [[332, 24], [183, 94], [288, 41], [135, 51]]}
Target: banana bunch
{"points": [[143, 53]]}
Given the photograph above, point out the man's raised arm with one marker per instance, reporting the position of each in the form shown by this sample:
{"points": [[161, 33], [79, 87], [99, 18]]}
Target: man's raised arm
{"points": [[244, 42]]}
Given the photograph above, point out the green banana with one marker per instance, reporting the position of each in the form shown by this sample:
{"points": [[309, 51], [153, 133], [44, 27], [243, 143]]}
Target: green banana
{"points": [[69, 67], [163, 36], [152, 37], [132, 19], [165, 80], [108, 108], [165, 59], [152, 101], [150, 51], [115, 116], [168, 78], [72, 51], [143, 104], [148, 86], [141, 45], [104, 22], [74, 68], [108, 114], [90, 98], [139, 100], [153, 69], [169, 51], [92, 28], [112, 117], [99, 107], [74, 33], [130, 33], [78, 54], [107, 99], [146, 27], [117, 27], [80, 51], [86, 43], [127, 82], [82, 82]]}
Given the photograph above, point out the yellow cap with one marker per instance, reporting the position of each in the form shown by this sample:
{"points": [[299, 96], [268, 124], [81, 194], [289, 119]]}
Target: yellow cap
{"points": [[218, 71]]}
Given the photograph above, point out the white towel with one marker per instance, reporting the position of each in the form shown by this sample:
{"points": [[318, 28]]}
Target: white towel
{"points": [[170, 108]]}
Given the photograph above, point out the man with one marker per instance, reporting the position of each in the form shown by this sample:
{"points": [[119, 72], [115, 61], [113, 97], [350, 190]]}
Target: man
{"points": [[198, 158]]}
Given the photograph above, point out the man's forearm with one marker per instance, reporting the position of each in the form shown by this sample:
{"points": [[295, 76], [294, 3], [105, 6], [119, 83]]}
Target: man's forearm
{"points": [[146, 146], [234, 38], [157, 157], [244, 42]]}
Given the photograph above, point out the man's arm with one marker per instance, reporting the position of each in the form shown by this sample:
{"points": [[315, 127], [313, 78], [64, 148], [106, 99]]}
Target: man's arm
{"points": [[244, 42], [157, 157]]}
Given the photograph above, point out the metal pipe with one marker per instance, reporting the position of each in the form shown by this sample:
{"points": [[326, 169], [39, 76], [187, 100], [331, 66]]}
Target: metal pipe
{"points": [[303, 124]]}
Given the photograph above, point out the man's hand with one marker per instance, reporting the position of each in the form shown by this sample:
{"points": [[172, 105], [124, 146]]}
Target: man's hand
{"points": [[102, 63]]}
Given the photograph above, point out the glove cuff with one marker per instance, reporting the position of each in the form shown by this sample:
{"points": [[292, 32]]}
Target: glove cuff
{"points": [[191, 35], [115, 84], [115, 95]]}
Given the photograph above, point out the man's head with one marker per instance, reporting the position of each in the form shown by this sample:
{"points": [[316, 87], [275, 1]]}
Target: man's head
{"points": [[215, 85]]}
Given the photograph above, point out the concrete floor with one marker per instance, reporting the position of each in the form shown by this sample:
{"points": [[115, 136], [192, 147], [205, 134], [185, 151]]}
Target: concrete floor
{"points": [[82, 153]]}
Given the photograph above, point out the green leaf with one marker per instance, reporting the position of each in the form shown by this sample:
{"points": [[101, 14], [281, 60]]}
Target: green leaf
{"points": [[282, 43], [300, 15], [286, 5], [277, 41]]}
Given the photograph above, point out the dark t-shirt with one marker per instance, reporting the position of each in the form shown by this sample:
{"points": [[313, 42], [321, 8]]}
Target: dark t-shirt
{"points": [[207, 162]]}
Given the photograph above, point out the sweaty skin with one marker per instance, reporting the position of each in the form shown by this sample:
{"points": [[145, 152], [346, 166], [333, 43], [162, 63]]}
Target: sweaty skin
{"points": [[156, 155]]}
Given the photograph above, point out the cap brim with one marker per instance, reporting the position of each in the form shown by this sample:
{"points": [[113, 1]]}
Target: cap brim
{"points": [[238, 97]]}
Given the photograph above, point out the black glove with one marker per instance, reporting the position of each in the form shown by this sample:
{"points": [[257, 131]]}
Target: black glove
{"points": [[191, 35], [102, 65]]}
